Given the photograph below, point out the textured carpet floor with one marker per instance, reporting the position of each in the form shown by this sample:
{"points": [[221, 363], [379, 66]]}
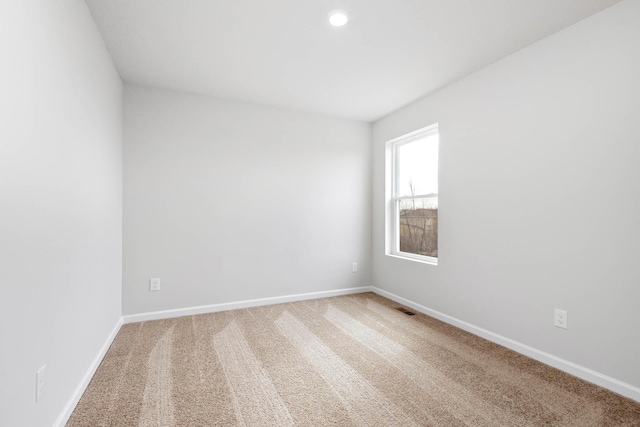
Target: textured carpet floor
{"points": [[344, 361]]}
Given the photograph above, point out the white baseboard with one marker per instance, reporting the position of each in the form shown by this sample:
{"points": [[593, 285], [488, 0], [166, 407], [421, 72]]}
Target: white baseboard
{"points": [[77, 394], [213, 308], [617, 386]]}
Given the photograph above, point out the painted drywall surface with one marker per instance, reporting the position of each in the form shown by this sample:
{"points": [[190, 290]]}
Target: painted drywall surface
{"points": [[539, 199], [229, 202], [60, 203]]}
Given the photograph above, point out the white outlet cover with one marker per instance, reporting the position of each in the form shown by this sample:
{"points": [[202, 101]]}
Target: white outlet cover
{"points": [[154, 284], [354, 267], [41, 376], [560, 319]]}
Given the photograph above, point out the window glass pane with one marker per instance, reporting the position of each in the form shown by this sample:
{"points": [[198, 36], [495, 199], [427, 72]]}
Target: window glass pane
{"points": [[418, 226], [417, 164]]}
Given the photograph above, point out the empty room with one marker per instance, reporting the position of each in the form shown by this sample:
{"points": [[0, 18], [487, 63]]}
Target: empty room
{"points": [[319, 213]]}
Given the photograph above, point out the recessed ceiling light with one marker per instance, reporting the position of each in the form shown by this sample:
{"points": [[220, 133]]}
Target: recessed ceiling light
{"points": [[338, 18]]}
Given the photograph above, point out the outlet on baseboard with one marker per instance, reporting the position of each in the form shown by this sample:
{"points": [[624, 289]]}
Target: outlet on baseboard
{"points": [[560, 319], [41, 376], [154, 284]]}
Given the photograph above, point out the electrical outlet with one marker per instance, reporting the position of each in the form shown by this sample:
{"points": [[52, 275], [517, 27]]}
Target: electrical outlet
{"points": [[41, 376], [154, 284], [354, 267], [560, 319]]}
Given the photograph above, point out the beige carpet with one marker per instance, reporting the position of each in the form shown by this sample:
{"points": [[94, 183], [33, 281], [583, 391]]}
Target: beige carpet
{"points": [[344, 361]]}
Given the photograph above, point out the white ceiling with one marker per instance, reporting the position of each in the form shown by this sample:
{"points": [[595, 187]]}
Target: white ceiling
{"points": [[283, 53]]}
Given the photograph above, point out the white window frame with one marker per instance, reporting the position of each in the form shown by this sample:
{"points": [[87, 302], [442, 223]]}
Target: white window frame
{"points": [[392, 217]]}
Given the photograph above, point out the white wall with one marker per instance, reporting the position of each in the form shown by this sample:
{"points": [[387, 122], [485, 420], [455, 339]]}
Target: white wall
{"points": [[60, 203], [539, 196], [226, 202]]}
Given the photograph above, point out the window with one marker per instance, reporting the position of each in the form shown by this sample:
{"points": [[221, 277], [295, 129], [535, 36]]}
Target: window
{"points": [[412, 195]]}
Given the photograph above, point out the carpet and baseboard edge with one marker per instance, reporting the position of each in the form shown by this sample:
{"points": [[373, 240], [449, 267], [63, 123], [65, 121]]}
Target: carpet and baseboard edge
{"points": [[605, 381], [213, 308], [574, 369], [84, 382]]}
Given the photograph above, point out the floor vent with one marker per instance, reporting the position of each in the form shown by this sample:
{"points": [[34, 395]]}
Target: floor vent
{"points": [[405, 311]]}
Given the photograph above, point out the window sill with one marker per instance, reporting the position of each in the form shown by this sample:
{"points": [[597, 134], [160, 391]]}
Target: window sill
{"points": [[417, 258]]}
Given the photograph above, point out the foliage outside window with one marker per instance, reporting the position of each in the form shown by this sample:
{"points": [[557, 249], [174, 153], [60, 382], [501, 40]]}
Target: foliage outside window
{"points": [[412, 218]]}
